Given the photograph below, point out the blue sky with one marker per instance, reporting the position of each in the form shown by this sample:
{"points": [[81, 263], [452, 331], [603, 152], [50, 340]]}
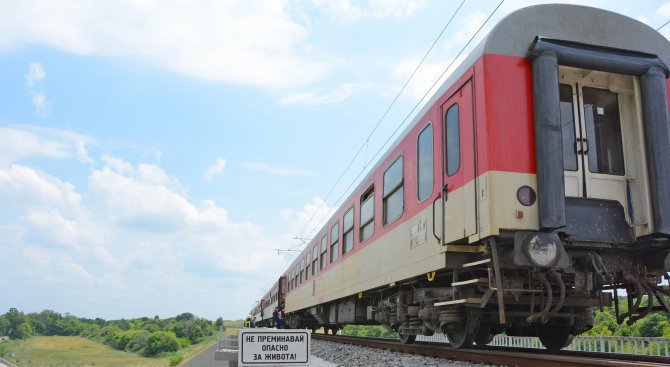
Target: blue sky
{"points": [[153, 154]]}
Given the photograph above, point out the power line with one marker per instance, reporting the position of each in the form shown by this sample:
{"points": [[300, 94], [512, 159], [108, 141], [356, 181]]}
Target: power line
{"points": [[286, 259], [365, 143], [416, 105], [664, 24]]}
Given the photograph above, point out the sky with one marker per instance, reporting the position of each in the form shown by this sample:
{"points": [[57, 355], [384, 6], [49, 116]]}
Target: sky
{"points": [[154, 155]]}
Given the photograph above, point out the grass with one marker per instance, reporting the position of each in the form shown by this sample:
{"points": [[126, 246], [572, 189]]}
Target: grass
{"points": [[73, 351]]}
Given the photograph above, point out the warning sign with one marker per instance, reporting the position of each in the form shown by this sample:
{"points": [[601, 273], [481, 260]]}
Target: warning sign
{"points": [[272, 347]]}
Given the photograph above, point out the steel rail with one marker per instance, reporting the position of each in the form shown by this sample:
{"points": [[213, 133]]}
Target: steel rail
{"points": [[519, 357]]}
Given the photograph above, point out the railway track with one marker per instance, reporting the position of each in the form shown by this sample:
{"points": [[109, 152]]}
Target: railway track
{"points": [[504, 356]]}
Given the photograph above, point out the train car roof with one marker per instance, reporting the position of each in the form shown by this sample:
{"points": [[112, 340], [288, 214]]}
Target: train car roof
{"points": [[513, 35]]}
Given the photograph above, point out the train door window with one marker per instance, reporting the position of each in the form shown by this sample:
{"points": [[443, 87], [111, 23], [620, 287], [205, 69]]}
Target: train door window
{"points": [[334, 242], [324, 250], [603, 131], [367, 214], [315, 259], [453, 139], [424, 166], [302, 269], [348, 231], [568, 124], [393, 192], [308, 263]]}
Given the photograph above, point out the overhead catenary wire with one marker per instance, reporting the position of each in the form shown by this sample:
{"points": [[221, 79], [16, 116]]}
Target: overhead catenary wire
{"points": [[288, 258], [661, 27], [366, 141], [402, 123], [381, 119]]}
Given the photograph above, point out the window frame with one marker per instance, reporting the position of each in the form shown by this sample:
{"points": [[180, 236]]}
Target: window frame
{"points": [[368, 194], [334, 244], [446, 139], [323, 257], [349, 231], [308, 262], [400, 185], [315, 260], [432, 161]]}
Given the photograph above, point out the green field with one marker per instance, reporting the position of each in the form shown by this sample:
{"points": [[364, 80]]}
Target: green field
{"points": [[72, 351]]}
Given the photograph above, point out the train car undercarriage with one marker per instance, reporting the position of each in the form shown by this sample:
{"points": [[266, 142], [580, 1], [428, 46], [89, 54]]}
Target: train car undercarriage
{"points": [[467, 305]]}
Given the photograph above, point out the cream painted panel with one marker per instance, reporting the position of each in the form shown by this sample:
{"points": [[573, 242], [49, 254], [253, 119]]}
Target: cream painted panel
{"points": [[503, 202], [606, 187], [455, 218], [470, 201], [392, 258], [572, 184]]}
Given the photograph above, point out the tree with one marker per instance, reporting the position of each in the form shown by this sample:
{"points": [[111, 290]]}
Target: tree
{"points": [[23, 331], [161, 342], [219, 322]]}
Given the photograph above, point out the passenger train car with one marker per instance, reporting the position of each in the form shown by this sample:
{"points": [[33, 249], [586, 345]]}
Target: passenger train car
{"points": [[531, 188]]}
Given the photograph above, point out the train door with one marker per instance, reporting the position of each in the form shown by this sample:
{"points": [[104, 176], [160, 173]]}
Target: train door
{"points": [[459, 195], [596, 108]]}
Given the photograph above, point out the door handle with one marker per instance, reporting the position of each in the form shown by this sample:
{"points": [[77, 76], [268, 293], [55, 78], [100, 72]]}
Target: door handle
{"points": [[435, 234], [586, 142]]}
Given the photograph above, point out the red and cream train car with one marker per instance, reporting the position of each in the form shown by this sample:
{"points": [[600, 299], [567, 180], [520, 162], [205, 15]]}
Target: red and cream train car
{"points": [[532, 187]]}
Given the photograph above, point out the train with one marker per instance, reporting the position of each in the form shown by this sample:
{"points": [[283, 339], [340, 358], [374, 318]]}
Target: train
{"points": [[532, 189]]}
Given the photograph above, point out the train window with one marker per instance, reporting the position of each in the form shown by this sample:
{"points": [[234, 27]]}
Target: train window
{"points": [[603, 131], [393, 192], [296, 274], [568, 124], [302, 269], [308, 262], [348, 231], [334, 242], [315, 259], [453, 139], [324, 249], [367, 214], [424, 166]]}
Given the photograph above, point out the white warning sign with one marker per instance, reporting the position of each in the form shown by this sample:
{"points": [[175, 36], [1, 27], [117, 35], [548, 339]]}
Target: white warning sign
{"points": [[272, 347]]}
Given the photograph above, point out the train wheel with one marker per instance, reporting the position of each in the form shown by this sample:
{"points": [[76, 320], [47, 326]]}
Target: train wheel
{"points": [[462, 334], [485, 332], [334, 330], [406, 338], [326, 329], [554, 337]]}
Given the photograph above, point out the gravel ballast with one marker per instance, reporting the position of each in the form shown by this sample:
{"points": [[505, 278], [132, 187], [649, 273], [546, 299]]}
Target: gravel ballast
{"points": [[346, 355]]}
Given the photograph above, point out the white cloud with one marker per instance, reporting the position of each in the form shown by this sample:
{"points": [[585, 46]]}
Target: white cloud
{"points": [[132, 236], [35, 73], [337, 95], [82, 152], [42, 106], [21, 142], [275, 169], [664, 10], [252, 43], [311, 218], [346, 11], [117, 164], [24, 187], [215, 169]]}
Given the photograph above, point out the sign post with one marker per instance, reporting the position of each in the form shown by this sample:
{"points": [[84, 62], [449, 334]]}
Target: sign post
{"points": [[274, 347]]}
